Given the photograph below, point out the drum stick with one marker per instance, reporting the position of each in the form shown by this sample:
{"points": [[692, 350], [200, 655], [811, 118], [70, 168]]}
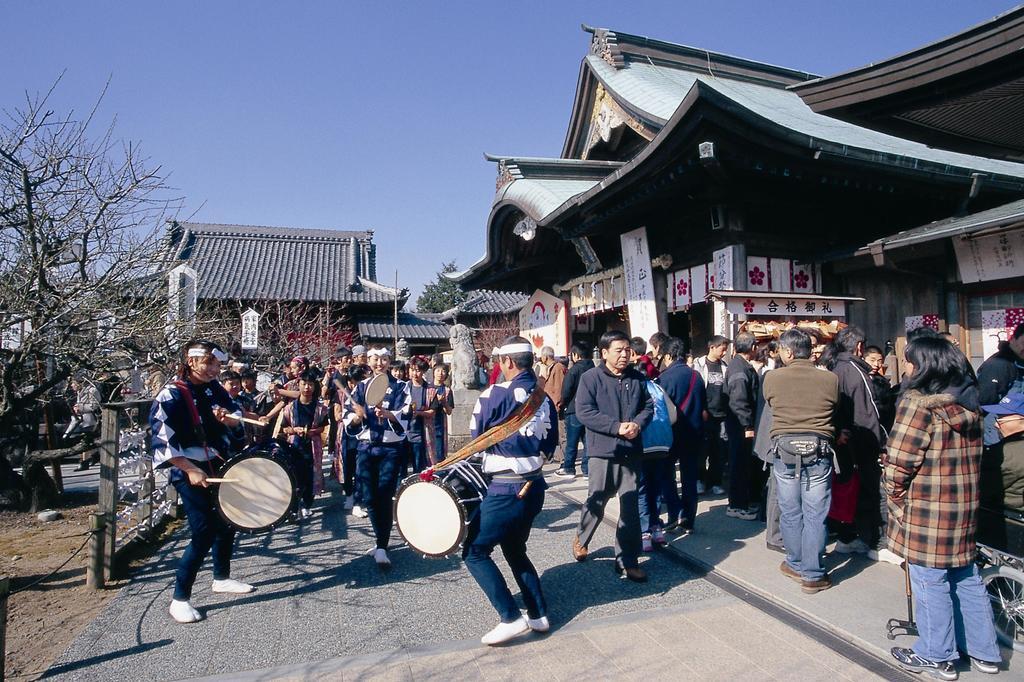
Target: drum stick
{"points": [[222, 480], [246, 420]]}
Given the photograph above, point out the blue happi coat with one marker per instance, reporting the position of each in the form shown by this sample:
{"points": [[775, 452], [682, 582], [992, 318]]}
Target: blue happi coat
{"points": [[521, 452], [174, 434]]}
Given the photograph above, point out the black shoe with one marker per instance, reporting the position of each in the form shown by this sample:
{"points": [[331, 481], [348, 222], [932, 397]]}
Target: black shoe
{"points": [[916, 664], [635, 573]]}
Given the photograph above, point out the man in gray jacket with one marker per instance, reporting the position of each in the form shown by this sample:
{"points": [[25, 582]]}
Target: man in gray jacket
{"points": [[613, 405]]}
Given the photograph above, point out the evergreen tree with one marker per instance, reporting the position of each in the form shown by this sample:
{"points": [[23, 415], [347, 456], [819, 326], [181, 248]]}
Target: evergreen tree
{"points": [[442, 293]]}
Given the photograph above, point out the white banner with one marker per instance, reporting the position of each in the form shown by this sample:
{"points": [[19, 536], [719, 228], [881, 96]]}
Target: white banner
{"points": [[250, 330], [722, 262], [639, 283], [783, 306], [998, 256]]}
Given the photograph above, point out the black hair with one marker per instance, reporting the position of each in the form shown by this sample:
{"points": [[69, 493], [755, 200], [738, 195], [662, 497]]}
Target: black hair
{"points": [[248, 374], [520, 360], [847, 339], [658, 339], [1019, 331], [610, 337], [638, 345], [745, 342], [580, 350], [873, 349], [420, 364], [772, 346], [718, 340], [343, 352], [357, 373], [938, 365], [309, 376], [444, 366], [922, 333], [230, 375], [208, 346], [797, 342], [674, 348]]}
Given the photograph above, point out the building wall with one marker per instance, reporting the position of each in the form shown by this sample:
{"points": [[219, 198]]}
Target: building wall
{"points": [[889, 298]]}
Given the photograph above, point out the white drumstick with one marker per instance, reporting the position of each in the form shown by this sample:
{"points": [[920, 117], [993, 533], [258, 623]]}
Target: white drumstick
{"points": [[222, 480]]}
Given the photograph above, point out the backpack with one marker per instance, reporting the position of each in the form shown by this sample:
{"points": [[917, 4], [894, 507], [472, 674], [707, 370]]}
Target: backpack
{"points": [[657, 435]]}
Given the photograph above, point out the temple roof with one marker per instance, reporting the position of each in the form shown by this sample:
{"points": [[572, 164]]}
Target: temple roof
{"points": [[540, 185], [486, 302], [255, 263], [411, 326]]}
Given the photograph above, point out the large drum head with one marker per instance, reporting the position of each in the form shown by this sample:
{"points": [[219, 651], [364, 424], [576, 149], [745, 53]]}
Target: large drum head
{"points": [[260, 495], [430, 518]]}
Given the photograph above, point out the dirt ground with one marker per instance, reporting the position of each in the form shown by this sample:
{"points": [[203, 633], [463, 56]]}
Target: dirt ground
{"points": [[44, 619]]}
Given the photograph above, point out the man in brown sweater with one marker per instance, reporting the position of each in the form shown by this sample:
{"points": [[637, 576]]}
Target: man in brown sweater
{"points": [[803, 400]]}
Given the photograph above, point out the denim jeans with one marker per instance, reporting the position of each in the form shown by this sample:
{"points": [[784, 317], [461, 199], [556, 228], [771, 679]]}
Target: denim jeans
{"points": [[803, 504], [953, 612], [208, 532], [657, 484], [575, 436], [377, 468], [505, 521], [418, 456]]}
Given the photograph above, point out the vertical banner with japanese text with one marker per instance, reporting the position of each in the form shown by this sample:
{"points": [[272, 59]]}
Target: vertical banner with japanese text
{"points": [[639, 283]]}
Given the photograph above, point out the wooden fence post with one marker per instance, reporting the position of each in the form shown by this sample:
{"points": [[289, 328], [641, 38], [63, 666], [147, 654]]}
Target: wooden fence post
{"points": [[5, 589], [110, 432], [94, 572]]}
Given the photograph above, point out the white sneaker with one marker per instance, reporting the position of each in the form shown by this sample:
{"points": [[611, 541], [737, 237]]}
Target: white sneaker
{"points": [[231, 586], [858, 546], [717, 490], [359, 512], [885, 555], [305, 513], [700, 487], [744, 514], [381, 557], [349, 503], [541, 624], [183, 612], [506, 631]]}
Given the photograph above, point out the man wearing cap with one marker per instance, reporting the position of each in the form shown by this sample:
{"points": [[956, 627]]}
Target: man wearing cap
{"points": [[1002, 469], [515, 493], [359, 355], [380, 432]]}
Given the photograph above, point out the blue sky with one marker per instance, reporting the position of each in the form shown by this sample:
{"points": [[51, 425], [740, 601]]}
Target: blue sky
{"points": [[375, 115]]}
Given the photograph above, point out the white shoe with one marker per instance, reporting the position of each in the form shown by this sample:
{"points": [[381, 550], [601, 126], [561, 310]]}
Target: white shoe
{"points": [[381, 557], [700, 487], [744, 514], [885, 555], [857, 546], [305, 513], [541, 624], [231, 586], [349, 503], [359, 512], [506, 631], [717, 490], [183, 612]]}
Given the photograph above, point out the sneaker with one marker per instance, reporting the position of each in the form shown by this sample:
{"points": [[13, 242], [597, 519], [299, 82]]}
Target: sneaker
{"points": [[359, 512], [909, 660], [658, 537], [541, 624], [381, 557], [857, 546], [305, 513], [885, 555], [700, 487], [814, 586], [506, 631], [646, 540], [183, 612], [744, 514], [562, 473], [350, 503], [672, 525], [987, 667], [717, 490], [230, 586]]}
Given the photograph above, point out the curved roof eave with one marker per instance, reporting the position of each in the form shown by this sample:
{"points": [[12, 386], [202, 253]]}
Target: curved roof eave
{"points": [[489, 256]]}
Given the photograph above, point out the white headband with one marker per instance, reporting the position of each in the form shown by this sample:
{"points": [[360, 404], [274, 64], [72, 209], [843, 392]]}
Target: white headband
{"points": [[495, 351], [515, 348], [378, 351], [200, 352]]}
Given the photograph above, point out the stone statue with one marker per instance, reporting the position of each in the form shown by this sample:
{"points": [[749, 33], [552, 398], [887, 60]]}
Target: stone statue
{"points": [[402, 349], [464, 366]]}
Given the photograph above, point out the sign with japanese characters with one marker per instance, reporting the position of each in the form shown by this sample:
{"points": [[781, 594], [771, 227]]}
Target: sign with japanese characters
{"points": [[722, 264], [544, 320], [783, 306], [638, 281], [997, 256], [250, 330]]}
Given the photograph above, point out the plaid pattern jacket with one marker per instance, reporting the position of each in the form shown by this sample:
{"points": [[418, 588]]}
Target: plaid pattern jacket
{"points": [[932, 466]]}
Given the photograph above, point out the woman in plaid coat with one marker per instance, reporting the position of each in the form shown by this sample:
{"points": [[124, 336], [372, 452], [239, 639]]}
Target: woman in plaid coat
{"points": [[932, 467]]}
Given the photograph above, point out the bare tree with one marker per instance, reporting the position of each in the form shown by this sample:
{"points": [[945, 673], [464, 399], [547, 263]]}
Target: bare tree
{"points": [[492, 331], [79, 290]]}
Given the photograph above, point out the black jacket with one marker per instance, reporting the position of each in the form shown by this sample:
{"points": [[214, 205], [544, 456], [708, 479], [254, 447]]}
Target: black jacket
{"points": [[742, 386], [997, 374], [857, 411], [603, 402], [572, 382]]}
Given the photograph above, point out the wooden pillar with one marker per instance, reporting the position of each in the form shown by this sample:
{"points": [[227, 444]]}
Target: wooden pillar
{"points": [[109, 437], [5, 589], [94, 573]]}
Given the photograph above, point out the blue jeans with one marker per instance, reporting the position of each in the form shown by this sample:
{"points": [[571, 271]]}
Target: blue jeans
{"points": [[657, 484], [418, 456], [575, 435], [953, 611], [804, 504], [209, 532], [377, 468], [505, 521]]}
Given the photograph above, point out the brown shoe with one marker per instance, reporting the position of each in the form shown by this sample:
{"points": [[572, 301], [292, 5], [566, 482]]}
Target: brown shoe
{"points": [[579, 551], [788, 571], [813, 586], [636, 574]]}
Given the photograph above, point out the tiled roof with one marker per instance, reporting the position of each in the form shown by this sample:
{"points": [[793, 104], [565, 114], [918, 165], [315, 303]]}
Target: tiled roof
{"points": [[486, 302], [411, 326], [254, 263], [540, 185]]}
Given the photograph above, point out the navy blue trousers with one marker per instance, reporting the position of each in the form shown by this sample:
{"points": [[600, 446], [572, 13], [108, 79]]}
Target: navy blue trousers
{"points": [[377, 470], [209, 532]]}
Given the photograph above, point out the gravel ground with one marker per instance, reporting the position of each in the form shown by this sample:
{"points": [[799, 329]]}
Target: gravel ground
{"points": [[319, 597]]}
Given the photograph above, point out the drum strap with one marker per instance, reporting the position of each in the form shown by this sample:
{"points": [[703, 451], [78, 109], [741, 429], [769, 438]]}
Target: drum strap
{"points": [[197, 422]]}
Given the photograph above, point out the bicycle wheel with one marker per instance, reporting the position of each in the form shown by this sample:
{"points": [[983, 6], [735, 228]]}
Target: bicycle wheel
{"points": [[1005, 586]]}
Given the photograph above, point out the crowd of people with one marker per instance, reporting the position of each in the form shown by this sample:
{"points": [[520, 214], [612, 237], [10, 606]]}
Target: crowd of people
{"points": [[814, 441]]}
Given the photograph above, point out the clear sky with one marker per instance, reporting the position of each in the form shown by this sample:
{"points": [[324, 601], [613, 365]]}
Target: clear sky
{"points": [[375, 115]]}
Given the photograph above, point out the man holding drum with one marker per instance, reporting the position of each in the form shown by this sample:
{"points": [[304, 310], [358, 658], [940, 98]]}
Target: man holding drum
{"points": [[380, 416], [515, 493], [189, 427]]}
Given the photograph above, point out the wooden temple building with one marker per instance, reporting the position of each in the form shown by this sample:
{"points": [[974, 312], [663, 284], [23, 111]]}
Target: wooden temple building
{"points": [[699, 193]]}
